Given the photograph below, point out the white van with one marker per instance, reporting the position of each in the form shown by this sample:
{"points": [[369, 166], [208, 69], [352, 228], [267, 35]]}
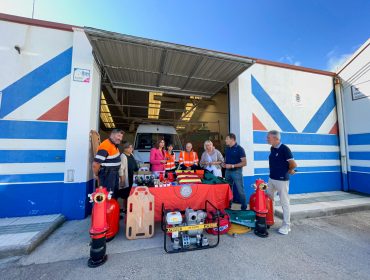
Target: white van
{"points": [[147, 136]]}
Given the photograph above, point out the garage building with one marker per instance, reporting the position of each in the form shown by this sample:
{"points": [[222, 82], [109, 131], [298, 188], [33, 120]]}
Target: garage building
{"points": [[59, 82]]}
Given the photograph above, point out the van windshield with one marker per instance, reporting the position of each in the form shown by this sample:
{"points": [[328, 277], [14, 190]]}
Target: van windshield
{"points": [[146, 141]]}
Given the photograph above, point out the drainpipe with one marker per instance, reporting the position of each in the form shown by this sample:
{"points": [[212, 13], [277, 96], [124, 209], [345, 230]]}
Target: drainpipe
{"points": [[342, 133]]}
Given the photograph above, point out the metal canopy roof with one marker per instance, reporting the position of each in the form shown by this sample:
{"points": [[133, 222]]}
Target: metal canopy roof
{"points": [[147, 65]]}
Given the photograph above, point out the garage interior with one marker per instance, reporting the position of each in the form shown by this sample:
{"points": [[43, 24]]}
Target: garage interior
{"points": [[149, 81]]}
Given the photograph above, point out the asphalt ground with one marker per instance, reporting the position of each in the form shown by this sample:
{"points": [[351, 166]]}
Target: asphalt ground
{"points": [[334, 247]]}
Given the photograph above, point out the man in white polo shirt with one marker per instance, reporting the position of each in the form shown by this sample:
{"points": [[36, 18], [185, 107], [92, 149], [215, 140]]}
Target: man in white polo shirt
{"points": [[282, 165]]}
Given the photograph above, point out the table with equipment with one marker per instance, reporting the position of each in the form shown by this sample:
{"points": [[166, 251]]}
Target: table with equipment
{"points": [[190, 196]]}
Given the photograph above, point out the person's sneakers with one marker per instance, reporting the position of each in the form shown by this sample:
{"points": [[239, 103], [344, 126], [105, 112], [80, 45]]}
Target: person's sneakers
{"points": [[284, 229]]}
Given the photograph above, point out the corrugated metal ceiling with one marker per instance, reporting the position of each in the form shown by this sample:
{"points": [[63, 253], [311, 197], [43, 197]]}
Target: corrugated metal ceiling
{"points": [[148, 65]]}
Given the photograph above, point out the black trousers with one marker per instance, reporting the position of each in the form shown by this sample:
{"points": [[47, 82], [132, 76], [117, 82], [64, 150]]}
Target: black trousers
{"points": [[109, 179]]}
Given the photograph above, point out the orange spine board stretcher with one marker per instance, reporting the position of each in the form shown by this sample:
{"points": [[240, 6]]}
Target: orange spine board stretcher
{"points": [[140, 214]]}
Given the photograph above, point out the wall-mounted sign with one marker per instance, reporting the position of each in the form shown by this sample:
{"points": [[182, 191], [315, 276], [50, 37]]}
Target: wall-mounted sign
{"points": [[81, 75], [359, 93]]}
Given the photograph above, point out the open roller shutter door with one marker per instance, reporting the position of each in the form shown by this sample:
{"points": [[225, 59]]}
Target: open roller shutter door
{"points": [[147, 65]]}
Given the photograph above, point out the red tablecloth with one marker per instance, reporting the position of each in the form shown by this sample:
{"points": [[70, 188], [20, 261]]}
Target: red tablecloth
{"points": [[219, 195]]}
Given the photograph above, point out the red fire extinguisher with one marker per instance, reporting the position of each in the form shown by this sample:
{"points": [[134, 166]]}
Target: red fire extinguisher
{"points": [[99, 227], [112, 218], [260, 207]]}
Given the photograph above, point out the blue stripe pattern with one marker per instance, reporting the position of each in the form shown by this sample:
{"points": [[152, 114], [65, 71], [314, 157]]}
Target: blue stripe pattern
{"points": [[303, 169], [323, 112], [260, 137], [260, 156], [31, 156], [35, 82], [360, 169], [32, 130], [359, 155], [21, 178], [359, 139], [270, 106]]}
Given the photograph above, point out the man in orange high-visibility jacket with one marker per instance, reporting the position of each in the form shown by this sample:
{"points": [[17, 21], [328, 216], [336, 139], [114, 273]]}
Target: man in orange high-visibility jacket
{"points": [[188, 159], [108, 161], [170, 158]]}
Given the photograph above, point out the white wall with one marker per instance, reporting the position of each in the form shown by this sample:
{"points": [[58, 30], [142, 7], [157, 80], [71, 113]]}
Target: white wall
{"points": [[241, 116], [33, 82], [83, 111], [282, 85], [36, 49], [355, 89], [357, 75]]}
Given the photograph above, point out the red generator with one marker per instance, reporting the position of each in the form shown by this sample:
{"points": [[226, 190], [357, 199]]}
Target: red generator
{"points": [[270, 208], [112, 218]]}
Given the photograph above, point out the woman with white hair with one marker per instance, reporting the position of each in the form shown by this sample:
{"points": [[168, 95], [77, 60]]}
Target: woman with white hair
{"points": [[211, 159]]}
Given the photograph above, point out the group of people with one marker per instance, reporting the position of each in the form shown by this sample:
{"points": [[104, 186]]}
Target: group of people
{"points": [[211, 160], [115, 171], [165, 160]]}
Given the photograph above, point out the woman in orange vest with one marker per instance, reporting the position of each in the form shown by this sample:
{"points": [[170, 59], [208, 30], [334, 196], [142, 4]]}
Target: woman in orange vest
{"points": [[188, 159], [170, 158]]}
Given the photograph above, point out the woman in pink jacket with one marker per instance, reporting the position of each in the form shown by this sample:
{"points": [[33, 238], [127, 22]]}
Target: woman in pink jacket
{"points": [[158, 157]]}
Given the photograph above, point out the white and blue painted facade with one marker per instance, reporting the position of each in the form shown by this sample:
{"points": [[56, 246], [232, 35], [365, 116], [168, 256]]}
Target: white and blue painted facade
{"points": [[42, 120], [46, 116], [302, 105], [355, 94]]}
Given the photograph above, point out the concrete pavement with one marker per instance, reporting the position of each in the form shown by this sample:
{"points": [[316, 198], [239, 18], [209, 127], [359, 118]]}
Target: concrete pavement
{"points": [[335, 247], [20, 235], [319, 204]]}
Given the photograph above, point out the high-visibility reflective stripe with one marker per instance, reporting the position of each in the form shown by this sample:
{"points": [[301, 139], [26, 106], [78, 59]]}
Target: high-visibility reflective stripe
{"points": [[100, 157], [111, 164], [190, 158], [114, 156], [170, 165]]}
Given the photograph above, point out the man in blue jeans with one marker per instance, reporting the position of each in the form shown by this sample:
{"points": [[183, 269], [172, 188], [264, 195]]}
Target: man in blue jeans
{"points": [[235, 160]]}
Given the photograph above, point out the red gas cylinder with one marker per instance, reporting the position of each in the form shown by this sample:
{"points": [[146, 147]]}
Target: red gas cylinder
{"points": [[252, 201], [112, 218], [223, 217], [98, 227], [270, 214], [270, 208]]}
